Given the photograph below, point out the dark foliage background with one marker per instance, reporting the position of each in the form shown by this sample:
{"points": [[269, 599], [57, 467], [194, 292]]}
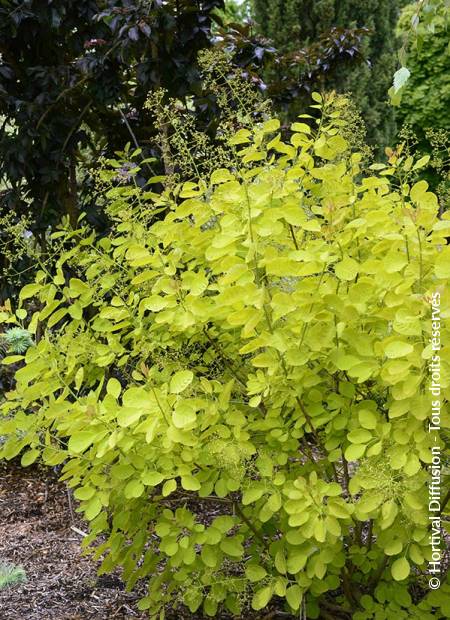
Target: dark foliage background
{"points": [[74, 77], [293, 23]]}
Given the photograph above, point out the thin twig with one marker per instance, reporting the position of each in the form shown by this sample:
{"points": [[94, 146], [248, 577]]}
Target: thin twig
{"points": [[377, 574], [72, 514], [133, 136], [78, 531], [369, 535], [75, 125], [346, 474], [250, 525]]}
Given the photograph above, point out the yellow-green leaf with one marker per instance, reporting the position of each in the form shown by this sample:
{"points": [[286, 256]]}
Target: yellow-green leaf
{"points": [[180, 381], [400, 569]]}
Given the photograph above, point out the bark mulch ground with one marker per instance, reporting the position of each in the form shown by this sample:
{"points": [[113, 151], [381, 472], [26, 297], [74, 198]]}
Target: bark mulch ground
{"points": [[36, 532]]}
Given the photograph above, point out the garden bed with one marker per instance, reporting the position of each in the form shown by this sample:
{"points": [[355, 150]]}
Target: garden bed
{"points": [[40, 531], [36, 532]]}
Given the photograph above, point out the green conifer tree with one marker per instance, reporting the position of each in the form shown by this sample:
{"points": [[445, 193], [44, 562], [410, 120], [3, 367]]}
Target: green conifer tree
{"points": [[292, 24]]}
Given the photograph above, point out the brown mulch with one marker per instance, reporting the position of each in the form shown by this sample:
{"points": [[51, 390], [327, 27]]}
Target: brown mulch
{"points": [[36, 521]]}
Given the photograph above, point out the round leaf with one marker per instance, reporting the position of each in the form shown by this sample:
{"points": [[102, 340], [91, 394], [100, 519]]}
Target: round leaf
{"points": [[29, 457], [134, 488], [294, 596], [255, 573], [231, 546], [261, 598], [398, 348], [180, 381], [184, 415], [400, 569]]}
